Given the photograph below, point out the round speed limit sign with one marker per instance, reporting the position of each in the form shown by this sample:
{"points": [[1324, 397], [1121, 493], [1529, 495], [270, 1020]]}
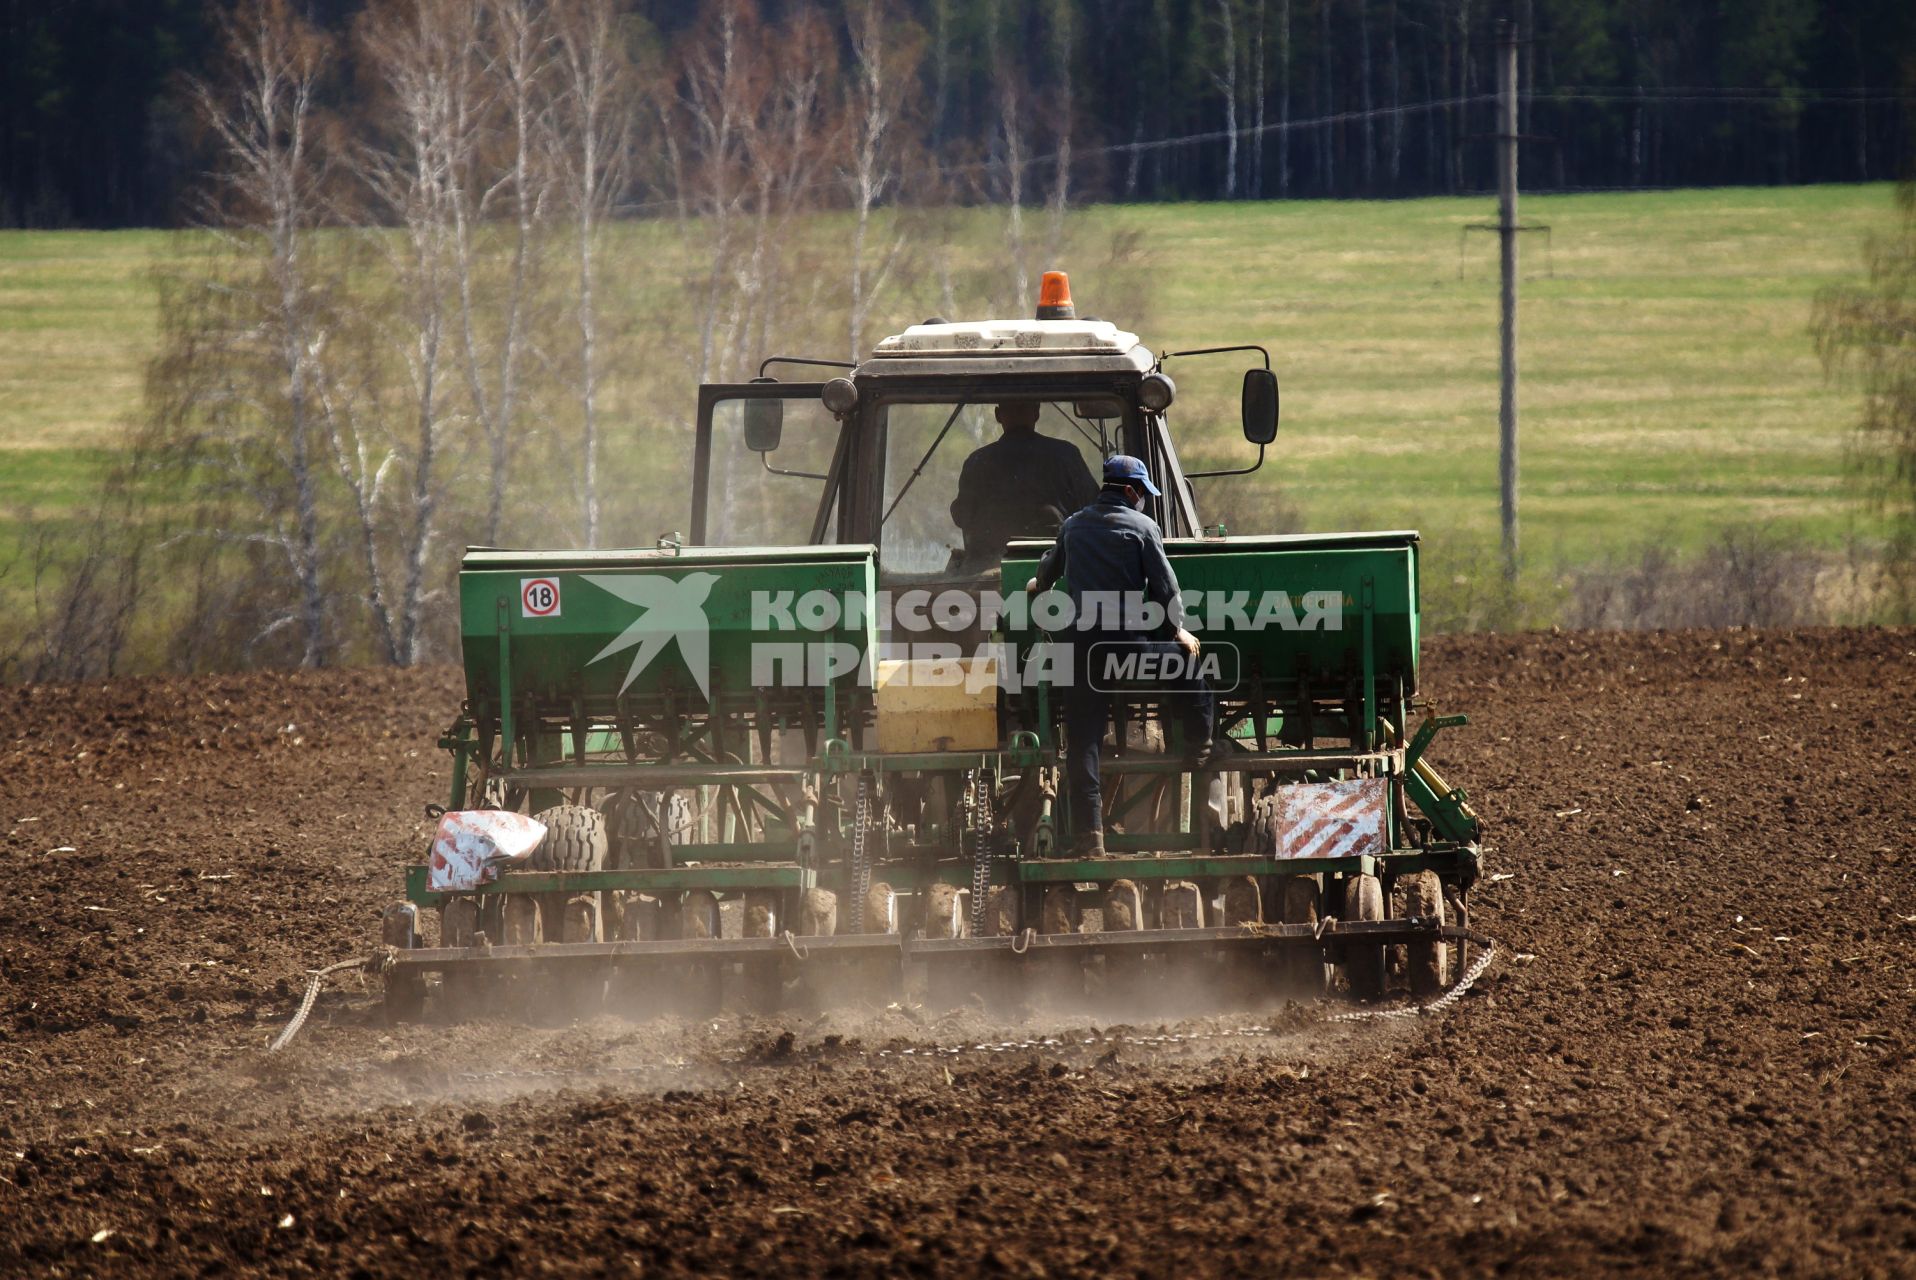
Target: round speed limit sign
{"points": [[539, 597]]}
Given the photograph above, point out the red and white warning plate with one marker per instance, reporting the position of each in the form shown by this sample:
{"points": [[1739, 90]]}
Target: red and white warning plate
{"points": [[1330, 819]]}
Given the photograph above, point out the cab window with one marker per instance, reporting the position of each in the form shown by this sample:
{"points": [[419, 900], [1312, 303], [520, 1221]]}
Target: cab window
{"points": [[769, 462], [961, 479]]}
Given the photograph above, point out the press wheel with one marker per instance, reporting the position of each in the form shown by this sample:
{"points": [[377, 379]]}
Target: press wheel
{"points": [[1429, 961], [1304, 966], [1364, 962]]}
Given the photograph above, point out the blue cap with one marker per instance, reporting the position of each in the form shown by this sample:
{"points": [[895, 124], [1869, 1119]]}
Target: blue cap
{"points": [[1122, 468]]}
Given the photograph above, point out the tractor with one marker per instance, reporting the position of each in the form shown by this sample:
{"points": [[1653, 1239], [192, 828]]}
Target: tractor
{"points": [[809, 750]]}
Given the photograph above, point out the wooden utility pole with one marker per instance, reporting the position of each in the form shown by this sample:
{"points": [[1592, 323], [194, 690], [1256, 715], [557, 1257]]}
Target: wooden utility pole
{"points": [[1507, 230]]}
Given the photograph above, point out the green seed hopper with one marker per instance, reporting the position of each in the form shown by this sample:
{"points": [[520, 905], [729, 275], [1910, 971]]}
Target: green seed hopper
{"points": [[638, 642]]}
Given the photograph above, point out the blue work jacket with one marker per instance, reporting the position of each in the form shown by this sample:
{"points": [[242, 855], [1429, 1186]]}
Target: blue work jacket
{"points": [[1108, 551]]}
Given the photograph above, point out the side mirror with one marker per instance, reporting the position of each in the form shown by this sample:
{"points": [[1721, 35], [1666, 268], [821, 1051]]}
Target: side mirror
{"points": [[1260, 406], [764, 424]]}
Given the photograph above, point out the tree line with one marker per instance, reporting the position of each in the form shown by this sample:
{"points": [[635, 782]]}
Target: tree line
{"points": [[1116, 99], [452, 266]]}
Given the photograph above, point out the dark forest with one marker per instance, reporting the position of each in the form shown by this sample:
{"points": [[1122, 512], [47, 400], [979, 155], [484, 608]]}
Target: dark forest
{"points": [[1140, 99]]}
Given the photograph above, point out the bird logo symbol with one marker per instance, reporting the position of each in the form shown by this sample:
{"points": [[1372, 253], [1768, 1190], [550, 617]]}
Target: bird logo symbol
{"points": [[671, 610]]}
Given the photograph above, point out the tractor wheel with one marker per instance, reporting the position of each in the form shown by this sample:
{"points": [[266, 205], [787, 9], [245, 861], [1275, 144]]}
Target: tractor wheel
{"points": [[697, 988], [641, 918], [1364, 962], [634, 989], [575, 839], [1001, 911], [458, 922], [764, 917], [522, 994], [1183, 906], [459, 927], [1245, 975], [579, 919], [1429, 961], [1455, 912]]}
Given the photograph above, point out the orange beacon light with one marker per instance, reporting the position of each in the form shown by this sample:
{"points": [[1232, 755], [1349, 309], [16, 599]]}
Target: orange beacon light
{"points": [[1054, 297]]}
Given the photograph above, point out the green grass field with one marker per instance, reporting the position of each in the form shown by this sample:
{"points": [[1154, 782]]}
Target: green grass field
{"points": [[1669, 384], [1668, 381]]}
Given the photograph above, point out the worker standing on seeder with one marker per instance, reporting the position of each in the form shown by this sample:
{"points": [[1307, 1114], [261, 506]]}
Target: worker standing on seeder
{"points": [[1112, 557]]}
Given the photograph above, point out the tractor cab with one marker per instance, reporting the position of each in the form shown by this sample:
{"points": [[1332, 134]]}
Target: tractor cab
{"points": [[951, 440]]}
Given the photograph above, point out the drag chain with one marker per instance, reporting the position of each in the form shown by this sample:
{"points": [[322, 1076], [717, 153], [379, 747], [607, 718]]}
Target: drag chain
{"points": [[1438, 1005], [312, 994]]}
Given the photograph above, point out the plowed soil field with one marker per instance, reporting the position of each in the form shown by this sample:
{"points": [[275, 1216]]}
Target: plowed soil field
{"points": [[1693, 1055]]}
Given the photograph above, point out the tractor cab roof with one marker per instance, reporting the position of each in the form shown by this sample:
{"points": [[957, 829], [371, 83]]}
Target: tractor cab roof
{"points": [[973, 347], [1057, 343]]}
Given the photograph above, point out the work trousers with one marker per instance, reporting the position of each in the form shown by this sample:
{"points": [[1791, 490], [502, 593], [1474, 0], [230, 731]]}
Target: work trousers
{"points": [[1087, 712]]}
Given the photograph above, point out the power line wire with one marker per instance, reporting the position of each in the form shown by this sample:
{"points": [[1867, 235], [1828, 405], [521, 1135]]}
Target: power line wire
{"points": [[1824, 90], [1153, 144], [1647, 95], [1780, 98]]}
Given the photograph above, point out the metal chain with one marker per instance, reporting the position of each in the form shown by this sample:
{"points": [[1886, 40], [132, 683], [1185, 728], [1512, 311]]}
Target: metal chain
{"points": [[983, 823], [1441, 1003], [861, 878], [312, 994]]}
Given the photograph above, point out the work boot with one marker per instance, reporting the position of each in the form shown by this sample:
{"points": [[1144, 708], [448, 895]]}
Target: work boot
{"points": [[1088, 844]]}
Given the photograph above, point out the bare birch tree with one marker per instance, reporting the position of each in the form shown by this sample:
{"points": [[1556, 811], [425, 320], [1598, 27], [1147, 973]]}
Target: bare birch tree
{"points": [[594, 141], [786, 149], [510, 202], [719, 90], [239, 374], [1259, 61], [1283, 97], [1327, 103], [1063, 57], [1364, 80], [1396, 163], [1224, 77], [1012, 129], [884, 63], [1866, 330], [1010, 148], [424, 53]]}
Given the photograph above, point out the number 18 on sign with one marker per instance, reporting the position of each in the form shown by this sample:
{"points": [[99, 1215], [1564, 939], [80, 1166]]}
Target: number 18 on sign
{"points": [[539, 597]]}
